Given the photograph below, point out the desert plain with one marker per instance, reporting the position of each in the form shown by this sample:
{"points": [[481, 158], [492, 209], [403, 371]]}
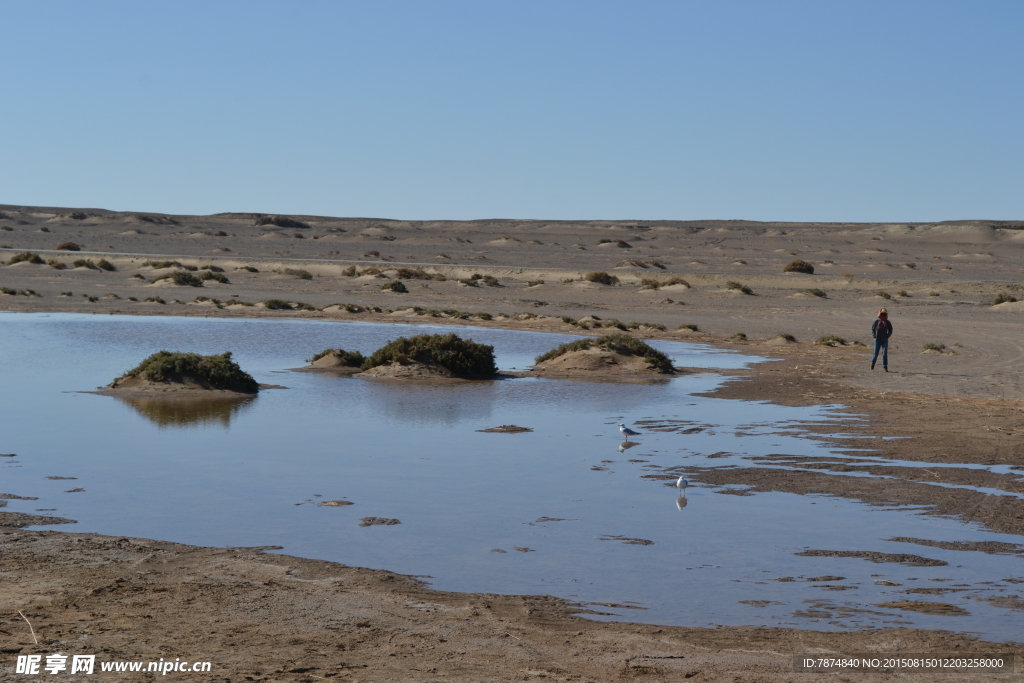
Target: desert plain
{"points": [[955, 387]]}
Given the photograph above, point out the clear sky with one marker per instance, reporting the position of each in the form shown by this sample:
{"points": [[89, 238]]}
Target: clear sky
{"points": [[765, 110]]}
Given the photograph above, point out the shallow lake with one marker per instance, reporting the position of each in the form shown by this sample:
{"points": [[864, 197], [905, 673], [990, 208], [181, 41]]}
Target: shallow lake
{"points": [[567, 505]]}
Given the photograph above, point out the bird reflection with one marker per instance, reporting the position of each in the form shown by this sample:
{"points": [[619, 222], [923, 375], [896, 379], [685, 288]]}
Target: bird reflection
{"points": [[626, 445], [186, 412], [681, 484]]}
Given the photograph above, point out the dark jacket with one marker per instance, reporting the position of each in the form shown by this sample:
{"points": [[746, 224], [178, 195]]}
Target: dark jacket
{"points": [[881, 329]]}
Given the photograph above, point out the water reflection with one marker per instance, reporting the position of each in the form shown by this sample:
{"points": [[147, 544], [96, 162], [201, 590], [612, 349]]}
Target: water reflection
{"points": [[681, 502], [188, 412], [436, 404], [626, 445]]}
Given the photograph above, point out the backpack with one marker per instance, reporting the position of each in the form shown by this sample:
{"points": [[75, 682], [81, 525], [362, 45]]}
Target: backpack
{"points": [[882, 329]]}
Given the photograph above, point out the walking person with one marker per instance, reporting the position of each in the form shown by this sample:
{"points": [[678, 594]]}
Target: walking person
{"points": [[881, 330]]}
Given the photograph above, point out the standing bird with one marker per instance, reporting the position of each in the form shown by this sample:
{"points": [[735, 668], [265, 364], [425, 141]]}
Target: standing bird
{"points": [[626, 431], [681, 484]]}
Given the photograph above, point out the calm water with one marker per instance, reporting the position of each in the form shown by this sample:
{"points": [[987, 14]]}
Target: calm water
{"points": [[250, 474]]}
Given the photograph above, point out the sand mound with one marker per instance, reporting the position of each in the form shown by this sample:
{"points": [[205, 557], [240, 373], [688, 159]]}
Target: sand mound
{"points": [[595, 362], [410, 371], [1010, 306], [780, 340], [335, 361]]}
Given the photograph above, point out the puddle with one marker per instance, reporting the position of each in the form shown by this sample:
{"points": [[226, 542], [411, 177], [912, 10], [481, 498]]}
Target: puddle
{"points": [[564, 509]]}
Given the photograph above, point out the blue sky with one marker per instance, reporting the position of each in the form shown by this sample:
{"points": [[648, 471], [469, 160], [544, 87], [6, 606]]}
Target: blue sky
{"points": [[830, 111]]}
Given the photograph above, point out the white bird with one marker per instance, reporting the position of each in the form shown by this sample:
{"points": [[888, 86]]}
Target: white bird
{"points": [[626, 431], [681, 483]]}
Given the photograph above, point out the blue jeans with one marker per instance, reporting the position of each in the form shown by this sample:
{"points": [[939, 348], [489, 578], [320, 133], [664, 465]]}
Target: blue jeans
{"points": [[883, 345]]}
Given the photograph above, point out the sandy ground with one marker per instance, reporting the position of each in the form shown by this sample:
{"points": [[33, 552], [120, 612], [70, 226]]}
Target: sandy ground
{"points": [[268, 617]]}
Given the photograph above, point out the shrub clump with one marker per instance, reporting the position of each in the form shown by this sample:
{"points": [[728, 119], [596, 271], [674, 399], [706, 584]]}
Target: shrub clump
{"points": [[821, 293], [181, 278], [158, 265], [884, 295], [617, 343], [213, 372], [799, 266], [396, 286], [299, 273], [830, 340], [281, 222], [650, 283], [739, 287], [462, 357], [68, 246], [688, 326], [935, 347], [601, 278], [213, 275], [277, 305], [1003, 298], [26, 256], [104, 264], [350, 358]]}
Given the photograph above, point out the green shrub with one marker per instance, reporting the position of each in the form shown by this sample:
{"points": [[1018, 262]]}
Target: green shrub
{"points": [[58, 265], [68, 246], [740, 287], [104, 264], [601, 278], [131, 298], [396, 286], [903, 293], [349, 272], [788, 337], [299, 273], [181, 278], [304, 307], [155, 300], [649, 283], [739, 336], [491, 281], [935, 347], [534, 283], [799, 266], [248, 269], [830, 340], [817, 292], [691, 327], [8, 291], [277, 305], [462, 357], [212, 269], [1003, 298], [352, 359], [617, 343], [84, 263], [884, 295], [26, 256], [213, 372], [482, 316]]}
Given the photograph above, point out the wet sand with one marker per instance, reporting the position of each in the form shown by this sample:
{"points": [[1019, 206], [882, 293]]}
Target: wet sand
{"points": [[274, 618]]}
